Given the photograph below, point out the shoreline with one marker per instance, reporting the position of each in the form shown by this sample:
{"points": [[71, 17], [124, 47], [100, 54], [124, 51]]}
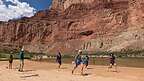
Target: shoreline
{"points": [[68, 63]]}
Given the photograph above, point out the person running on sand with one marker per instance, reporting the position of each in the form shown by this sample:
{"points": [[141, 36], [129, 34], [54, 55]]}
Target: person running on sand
{"points": [[58, 59], [21, 57], [84, 63], [77, 60], [112, 62], [10, 61]]}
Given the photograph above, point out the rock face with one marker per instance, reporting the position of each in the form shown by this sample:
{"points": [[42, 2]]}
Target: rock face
{"points": [[93, 25]]}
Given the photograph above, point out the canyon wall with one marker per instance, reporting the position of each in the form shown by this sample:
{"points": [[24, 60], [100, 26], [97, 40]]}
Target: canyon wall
{"points": [[92, 25]]}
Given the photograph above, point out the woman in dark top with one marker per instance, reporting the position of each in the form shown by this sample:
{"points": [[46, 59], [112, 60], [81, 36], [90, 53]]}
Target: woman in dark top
{"points": [[112, 62], [112, 59], [87, 62], [10, 61], [58, 59]]}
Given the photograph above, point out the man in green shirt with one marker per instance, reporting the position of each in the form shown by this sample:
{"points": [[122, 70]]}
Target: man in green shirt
{"points": [[21, 57]]}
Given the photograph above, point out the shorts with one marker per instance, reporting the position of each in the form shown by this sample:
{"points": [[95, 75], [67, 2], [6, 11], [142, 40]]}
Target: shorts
{"points": [[87, 63], [22, 62], [78, 63], [59, 61], [84, 62], [10, 61], [112, 63]]}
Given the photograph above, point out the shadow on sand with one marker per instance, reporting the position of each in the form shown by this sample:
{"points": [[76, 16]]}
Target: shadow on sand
{"points": [[28, 70], [114, 71], [64, 68], [86, 74], [32, 75], [89, 68]]}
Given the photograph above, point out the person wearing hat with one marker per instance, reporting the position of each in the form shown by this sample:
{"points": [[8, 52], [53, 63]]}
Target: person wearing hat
{"points": [[21, 57], [77, 60]]}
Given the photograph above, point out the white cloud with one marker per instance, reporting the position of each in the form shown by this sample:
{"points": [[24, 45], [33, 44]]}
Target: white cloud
{"points": [[15, 10]]}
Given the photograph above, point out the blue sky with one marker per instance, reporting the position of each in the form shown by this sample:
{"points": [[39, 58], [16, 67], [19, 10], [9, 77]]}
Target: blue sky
{"points": [[15, 9], [38, 4]]}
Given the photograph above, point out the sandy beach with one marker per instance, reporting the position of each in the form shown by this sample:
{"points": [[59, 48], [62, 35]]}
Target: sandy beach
{"points": [[44, 71]]}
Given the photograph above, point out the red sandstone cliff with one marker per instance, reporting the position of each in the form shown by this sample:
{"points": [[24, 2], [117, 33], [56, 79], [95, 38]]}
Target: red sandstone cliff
{"points": [[95, 25]]}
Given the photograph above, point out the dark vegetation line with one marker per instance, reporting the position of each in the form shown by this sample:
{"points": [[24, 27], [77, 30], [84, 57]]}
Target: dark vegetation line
{"points": [[127, 53]]}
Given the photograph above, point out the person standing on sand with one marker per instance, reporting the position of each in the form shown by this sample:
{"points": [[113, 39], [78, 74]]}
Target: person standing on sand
{"points": [[87, 61], [112, 62], [77, 60], [58, 59], [10, 61], [21, 57]]}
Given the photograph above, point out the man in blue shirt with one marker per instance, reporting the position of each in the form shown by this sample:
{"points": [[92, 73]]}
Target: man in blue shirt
{"points": [[21, 57], [78, 60]]}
